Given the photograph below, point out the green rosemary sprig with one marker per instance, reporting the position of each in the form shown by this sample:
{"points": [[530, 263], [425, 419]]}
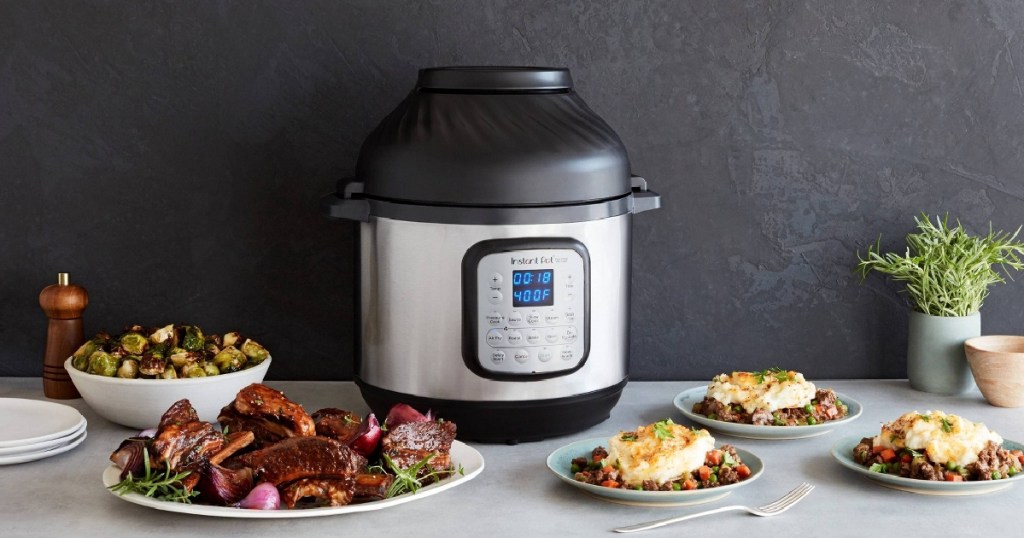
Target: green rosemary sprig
{"points": [[406, 480], [166, 486]]}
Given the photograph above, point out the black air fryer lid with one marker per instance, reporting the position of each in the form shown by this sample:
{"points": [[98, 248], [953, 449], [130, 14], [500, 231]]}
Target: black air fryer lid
{"points": [[493, 136]]}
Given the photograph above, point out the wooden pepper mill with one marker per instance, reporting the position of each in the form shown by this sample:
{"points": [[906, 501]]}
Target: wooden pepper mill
{"points": [[63, 304]]}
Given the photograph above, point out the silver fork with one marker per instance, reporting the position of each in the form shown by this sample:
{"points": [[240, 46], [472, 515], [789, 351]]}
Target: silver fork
{"points": [[771, 509]]}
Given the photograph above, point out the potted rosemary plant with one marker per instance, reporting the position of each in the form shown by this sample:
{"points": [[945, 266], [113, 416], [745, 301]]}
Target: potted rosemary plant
{"points": [[947, 273]]}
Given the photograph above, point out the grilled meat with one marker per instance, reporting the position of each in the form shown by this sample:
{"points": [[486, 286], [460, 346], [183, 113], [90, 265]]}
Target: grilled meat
{"points": [[301, 467], [372, 486], [268, 414], [183, 442], [337, 424], [322, 491], [180, 412], [410, 443]]}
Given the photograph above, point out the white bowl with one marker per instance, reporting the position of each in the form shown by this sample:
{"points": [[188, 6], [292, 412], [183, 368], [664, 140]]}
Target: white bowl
{"points": [[140, 403]]}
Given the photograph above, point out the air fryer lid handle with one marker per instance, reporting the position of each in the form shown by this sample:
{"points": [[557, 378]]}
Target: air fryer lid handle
{"points": [[351, 205], [643, 199]]}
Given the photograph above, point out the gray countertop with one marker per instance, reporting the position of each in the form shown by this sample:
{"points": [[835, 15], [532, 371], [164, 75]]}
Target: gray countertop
{"points": [[517, 496]]}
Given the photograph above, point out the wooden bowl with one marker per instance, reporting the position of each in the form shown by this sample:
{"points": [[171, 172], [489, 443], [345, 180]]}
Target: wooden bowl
{"points": [[997, 363]]}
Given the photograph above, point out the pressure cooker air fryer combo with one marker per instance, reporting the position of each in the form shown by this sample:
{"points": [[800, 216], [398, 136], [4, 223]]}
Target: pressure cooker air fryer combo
{"points": [[495, 211]]}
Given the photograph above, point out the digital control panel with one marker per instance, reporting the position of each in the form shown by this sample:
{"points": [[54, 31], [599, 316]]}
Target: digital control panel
{"points": [[530, 310]]}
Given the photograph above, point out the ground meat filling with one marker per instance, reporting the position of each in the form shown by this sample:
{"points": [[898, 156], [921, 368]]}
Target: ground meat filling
{"points": [[824, 407], [994, 463], [598, 471]]}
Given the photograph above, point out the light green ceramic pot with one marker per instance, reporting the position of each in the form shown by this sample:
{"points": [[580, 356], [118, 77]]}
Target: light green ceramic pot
{"points": [[935, 352]]}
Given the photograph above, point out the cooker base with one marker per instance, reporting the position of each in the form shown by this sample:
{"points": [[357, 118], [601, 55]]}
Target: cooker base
{"points": [[508, 422]]}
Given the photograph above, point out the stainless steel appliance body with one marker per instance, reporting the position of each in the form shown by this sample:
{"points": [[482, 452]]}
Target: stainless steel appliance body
{"points": [[412, 311]]}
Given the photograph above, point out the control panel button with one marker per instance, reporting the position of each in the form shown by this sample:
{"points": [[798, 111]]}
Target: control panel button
{"points": [[514, 338], [495, 337], [544, 355], [551, 336], [495, 297], [495, 319], [551, 317], [569, 334], [569, 316], [515, 319], [498, 356], [566, 354], [533, 317], [496, 280], [521, 356], [533, 337]]}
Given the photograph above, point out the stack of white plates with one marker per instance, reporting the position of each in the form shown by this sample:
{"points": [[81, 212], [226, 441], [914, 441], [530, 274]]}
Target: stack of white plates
{"points": [[32, 429]]}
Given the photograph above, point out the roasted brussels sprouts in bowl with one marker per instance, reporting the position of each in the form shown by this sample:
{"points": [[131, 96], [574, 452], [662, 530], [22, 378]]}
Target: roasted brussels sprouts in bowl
{"points": [[133, 378]]}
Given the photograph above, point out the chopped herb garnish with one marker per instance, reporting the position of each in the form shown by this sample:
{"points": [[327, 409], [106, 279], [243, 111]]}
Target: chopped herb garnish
{"points": [[925, 418], [628, 436], [946, 426], [778, 373], [662, 429], [879, 468]]}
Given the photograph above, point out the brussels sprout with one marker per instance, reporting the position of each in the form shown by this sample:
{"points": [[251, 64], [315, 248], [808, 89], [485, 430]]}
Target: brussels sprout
{"points": [[211, 348], [102, 363], [168, 373], [134, 343], [255, 352], [193, 370], [159, 350], [129, 369], [193, 340], [230, 359], [80, 359], [152, 365], [210, 368], [185, 358], [163, 335], [231, 338]]}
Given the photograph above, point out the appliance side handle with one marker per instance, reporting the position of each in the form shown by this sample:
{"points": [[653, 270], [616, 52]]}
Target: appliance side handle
{"points": [[351, 205], [643, 199]]}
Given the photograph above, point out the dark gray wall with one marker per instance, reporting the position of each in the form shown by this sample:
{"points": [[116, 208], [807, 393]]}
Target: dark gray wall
{"points": [[170, 156]]}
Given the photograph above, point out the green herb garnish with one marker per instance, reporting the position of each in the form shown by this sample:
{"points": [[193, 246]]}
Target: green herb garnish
{"points": [[778, 373], [879, 468], [946, 426], [628, 436], [164, 486], [406, 480], [662, 429]]}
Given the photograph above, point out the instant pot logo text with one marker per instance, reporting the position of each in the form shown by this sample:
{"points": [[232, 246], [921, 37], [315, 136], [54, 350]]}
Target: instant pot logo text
{"points": [[538, 260]]}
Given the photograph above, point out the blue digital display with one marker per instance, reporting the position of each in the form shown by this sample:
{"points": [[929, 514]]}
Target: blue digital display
{"points": [[533, 288]]}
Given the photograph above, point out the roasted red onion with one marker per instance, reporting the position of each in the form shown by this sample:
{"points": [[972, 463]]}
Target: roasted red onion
{"points": [[262, 497], [368, 436], [129, 456], [220, 485], [402, 413]]}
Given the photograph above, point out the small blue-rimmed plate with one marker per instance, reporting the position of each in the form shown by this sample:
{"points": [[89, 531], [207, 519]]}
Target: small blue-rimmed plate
{"points": [[560, 463], [843, 453], [684, 402]]}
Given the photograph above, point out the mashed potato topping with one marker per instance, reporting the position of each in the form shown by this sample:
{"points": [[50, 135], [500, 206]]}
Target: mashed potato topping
{"points": [[944, 438], [661, 452], [772, 389]]}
